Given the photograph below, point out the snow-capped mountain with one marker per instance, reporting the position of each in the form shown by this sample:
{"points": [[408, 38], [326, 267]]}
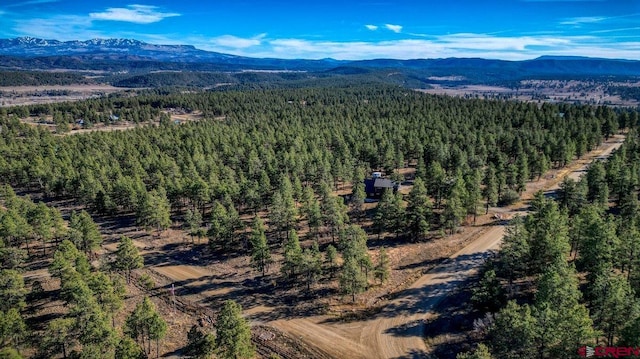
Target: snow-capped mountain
{"points": [[34, 47]]}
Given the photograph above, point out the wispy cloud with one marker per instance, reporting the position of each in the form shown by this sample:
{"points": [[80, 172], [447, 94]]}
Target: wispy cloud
{"points": [[616, 30], [583, 20], [395, 28], [30, 3], [139, 14], [371, 27]]}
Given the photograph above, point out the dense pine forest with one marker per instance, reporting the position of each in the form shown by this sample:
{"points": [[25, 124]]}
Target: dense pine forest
{"points": [[265, 165], [567, 276]]}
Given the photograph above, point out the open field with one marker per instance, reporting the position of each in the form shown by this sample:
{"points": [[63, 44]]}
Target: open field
{"points": [[584, 92], [31, 95]]}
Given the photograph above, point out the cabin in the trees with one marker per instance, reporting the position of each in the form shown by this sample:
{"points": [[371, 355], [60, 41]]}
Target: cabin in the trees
{"points": [[376, 185]]}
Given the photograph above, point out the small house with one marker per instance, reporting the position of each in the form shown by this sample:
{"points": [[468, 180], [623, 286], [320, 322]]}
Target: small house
{"points": [[375, 186]]}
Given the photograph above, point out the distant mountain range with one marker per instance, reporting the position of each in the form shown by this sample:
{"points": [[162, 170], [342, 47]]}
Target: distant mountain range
{"points": [[133, 56]]}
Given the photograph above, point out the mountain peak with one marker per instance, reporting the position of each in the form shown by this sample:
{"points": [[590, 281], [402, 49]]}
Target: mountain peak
{"points": [[34, 47]]}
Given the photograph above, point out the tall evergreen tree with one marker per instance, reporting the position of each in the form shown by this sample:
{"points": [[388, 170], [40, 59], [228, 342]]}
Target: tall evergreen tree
{"points": [[127, 257], [418, 209], [292, 256], [260, 254], [233, 335], [381, 270], [352, 280]]}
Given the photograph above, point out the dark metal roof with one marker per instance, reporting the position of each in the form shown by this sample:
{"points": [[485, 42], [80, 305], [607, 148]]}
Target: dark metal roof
{"points": [[383, 183]]}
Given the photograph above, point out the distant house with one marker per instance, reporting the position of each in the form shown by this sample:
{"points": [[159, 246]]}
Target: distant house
{"points": [[375, 186], [114, 118]]}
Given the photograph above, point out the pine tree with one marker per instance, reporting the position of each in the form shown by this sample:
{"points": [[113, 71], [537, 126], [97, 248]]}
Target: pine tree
{"points": [[488, 295], [612, 304], [514, 253], [352, 280], [193, 221], [490, 187], [12, 328], [154, 210], [381, 270], [548, 237], [472, 187], [418, 210], [564, 322], [390, 214], [597, 187], [436, 178], [12, 290], [144, 325], [358, 196], [481, 352], [292, 256], [200, 345], [260, 255], [128, 349], [311, 264], [331, 258], [334, 213], [59, 337], [127, 257], [596, 239], [454, 210], [89, 235], [513, 334], [233, 339], [218, 225]]}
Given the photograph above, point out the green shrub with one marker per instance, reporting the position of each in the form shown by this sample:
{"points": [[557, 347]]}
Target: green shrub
{"points": [[509, 197], [147, 282]]}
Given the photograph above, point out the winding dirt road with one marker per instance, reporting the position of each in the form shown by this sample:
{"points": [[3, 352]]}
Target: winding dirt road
{"points": [[398, 330]]}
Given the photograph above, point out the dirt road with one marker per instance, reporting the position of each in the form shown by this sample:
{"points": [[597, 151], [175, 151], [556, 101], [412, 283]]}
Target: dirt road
{"points": [[398, 330]]}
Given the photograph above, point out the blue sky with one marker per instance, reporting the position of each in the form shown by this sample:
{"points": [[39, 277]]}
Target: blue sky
{"points": [[344, 29]]}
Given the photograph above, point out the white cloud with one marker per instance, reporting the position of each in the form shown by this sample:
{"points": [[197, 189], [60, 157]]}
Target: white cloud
{"points": [[139, 14], [583, 20], [395, 28], [455, 45], [235, 42], [371, 27]]}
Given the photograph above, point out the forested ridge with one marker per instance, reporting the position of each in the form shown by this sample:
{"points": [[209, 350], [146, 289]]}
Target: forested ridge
{"points": [[277, 156], [40, 78]]}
